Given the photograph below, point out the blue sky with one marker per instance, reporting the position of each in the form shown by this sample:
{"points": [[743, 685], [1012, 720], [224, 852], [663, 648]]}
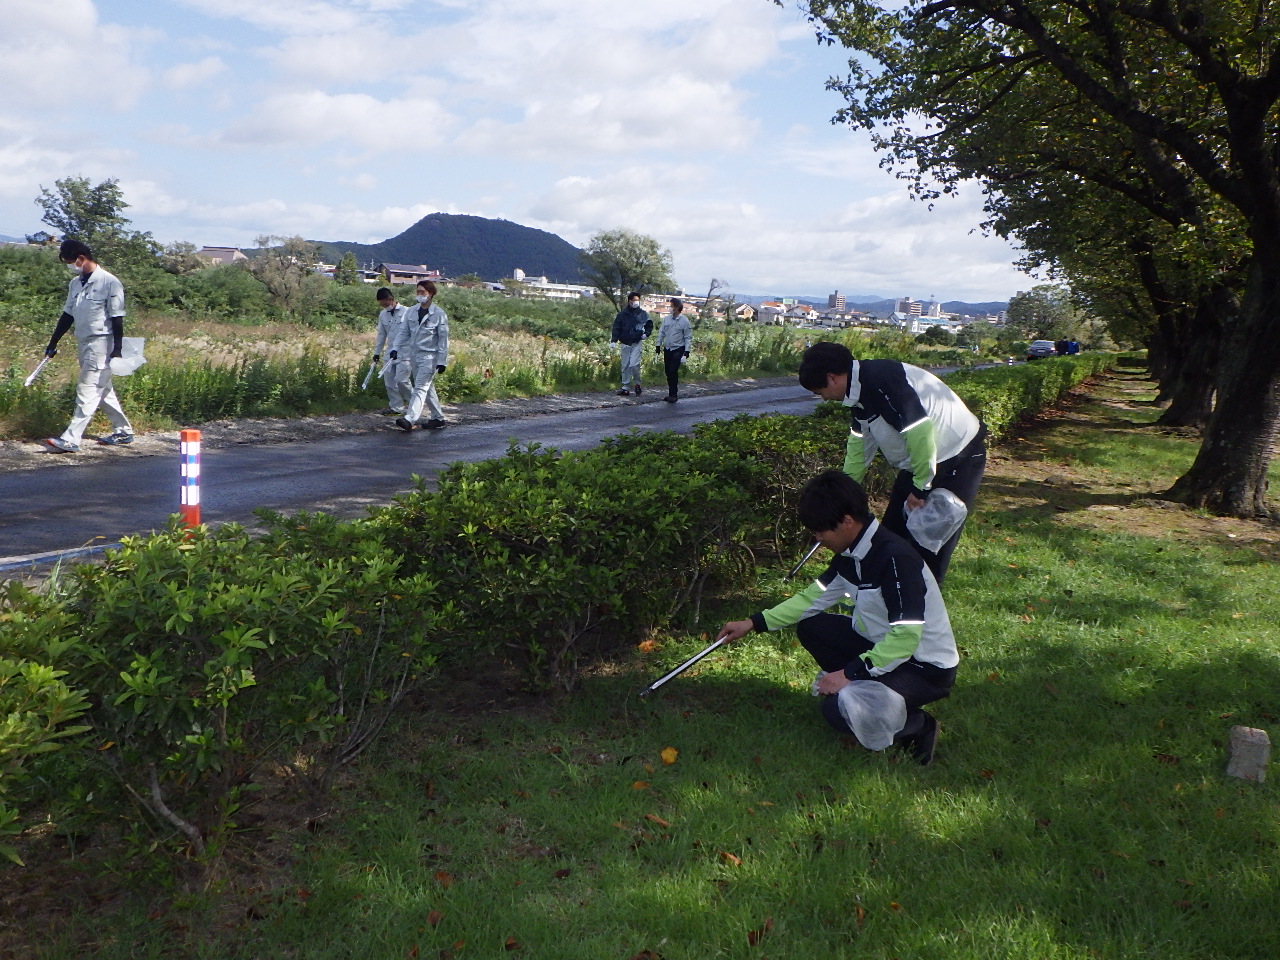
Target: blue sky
{"points": [[703, 123]]}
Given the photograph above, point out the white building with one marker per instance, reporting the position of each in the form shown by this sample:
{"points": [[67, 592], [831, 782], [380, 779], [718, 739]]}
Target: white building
{"points": [[542, 287]]}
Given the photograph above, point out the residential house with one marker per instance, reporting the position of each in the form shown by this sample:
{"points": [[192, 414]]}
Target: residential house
{"points": [[772, 312], [406, 273], [221, 255]]}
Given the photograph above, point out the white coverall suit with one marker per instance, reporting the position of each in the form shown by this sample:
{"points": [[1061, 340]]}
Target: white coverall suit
{"points": [[424, 342], [396, 375], [92, 304]]}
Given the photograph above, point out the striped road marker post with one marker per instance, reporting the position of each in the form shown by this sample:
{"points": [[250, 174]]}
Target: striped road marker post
{"points": [[190, 509]]}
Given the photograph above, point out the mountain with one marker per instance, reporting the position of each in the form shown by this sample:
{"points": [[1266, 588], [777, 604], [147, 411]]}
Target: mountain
{"points": [[456, 244], [5, 239], [881, 308]]}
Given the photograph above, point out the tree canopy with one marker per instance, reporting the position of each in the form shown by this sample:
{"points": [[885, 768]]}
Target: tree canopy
{"points": [[1133, 144], [95, 215], [616, 262]]}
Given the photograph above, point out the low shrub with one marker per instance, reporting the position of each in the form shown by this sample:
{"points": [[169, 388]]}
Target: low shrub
{"points": [[209, 656], [38, 709], [1002, 396]]}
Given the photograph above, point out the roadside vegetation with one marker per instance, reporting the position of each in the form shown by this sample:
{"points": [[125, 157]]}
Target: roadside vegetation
{"points": [[219, 346], [1078, 807]]}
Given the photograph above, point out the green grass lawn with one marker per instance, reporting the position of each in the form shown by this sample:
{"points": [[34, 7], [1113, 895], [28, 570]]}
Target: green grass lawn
{"points": [[1078, 807]]}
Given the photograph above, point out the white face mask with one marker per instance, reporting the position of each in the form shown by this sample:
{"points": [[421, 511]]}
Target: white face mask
{"points": [[634, 304], [73, 268], [422, 299]]}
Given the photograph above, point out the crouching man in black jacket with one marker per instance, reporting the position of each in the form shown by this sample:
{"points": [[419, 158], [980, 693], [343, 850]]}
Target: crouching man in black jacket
{"points": [[895, 652]]}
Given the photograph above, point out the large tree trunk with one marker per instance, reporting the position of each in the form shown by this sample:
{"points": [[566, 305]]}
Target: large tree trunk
{"points": [[1182, 351], [1229, 475], [1191, 362]]}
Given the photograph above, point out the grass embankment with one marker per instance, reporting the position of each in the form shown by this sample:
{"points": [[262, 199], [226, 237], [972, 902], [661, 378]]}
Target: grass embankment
{"points": [[1078, 806]]}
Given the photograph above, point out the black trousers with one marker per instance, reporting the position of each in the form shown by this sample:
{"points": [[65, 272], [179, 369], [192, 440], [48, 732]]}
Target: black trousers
{"points": [[961, 475], [671, 365], [833, 643]]}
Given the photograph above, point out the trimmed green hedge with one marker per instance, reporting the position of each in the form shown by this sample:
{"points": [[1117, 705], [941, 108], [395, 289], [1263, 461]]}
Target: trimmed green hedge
{"points": [[193, 658]]}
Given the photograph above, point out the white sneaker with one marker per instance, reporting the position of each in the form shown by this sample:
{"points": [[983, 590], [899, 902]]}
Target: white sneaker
{"points": [[58, 445]]}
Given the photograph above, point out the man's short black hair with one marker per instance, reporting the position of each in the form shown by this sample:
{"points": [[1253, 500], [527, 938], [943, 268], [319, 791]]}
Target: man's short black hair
{"points": [[384, 293], [633, 295], [830, 497], [73, 249], [822, 358]]}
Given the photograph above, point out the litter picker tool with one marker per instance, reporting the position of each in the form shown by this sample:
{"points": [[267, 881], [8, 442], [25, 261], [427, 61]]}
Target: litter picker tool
{"points": [[683, 667], [369, 376], [36, 372], [803, 560]]}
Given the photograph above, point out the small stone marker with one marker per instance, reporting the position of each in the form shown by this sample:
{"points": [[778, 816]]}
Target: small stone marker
{"points": [[1248, 754]]}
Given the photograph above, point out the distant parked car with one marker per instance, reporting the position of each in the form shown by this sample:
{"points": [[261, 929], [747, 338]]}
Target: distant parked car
{"points": [[1041, 348]]}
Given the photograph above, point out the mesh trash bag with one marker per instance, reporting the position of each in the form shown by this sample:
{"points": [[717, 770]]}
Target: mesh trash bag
{"points": [[938, 520], [130, 358]]}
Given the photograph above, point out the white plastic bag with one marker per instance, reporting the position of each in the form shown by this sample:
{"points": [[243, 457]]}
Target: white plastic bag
{"points": [[938, 520], [130, 358]]}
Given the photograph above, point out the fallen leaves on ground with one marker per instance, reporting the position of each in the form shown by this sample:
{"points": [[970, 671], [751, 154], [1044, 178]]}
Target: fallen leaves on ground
{"points": [[755, 936], [640, 785], [669, 755], [654, 818], [444, 879], [434, 918], [730, 859]]}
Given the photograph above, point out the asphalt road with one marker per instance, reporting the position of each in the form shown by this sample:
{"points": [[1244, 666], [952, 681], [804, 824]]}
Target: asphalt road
{"points": [[48, 513]]}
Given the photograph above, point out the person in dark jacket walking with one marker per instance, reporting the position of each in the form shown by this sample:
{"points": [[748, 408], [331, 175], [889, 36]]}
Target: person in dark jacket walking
{"points": [[631, 327]]}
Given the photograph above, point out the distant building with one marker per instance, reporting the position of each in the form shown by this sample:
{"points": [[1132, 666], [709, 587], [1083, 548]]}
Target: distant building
{"points": [[221, 255], [771, 311], [921, 324], [835, 301], [408, 273], [907, 306], [542, 287]]}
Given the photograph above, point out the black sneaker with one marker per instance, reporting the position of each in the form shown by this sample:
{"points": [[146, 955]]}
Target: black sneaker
{"points": [[388, 412], [671, 399], [922, 745], [117, 439], [624, 392], [434, 425], [404, 424], [639, 390]]}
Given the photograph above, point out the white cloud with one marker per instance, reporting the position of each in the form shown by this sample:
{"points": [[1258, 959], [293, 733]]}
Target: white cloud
{"points": [[186, 75], [288, 17], [355, 119], [59, 54], [363, 182]]}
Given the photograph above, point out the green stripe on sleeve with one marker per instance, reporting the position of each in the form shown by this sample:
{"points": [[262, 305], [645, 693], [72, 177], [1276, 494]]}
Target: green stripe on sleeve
{"points": [[900, 642], [922, 447]]}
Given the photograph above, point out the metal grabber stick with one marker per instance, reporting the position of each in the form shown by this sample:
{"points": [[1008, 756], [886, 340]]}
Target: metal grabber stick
{"points": [[722, 640], [683, 667], [803, 560], [36, 372], [369, 376]]}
